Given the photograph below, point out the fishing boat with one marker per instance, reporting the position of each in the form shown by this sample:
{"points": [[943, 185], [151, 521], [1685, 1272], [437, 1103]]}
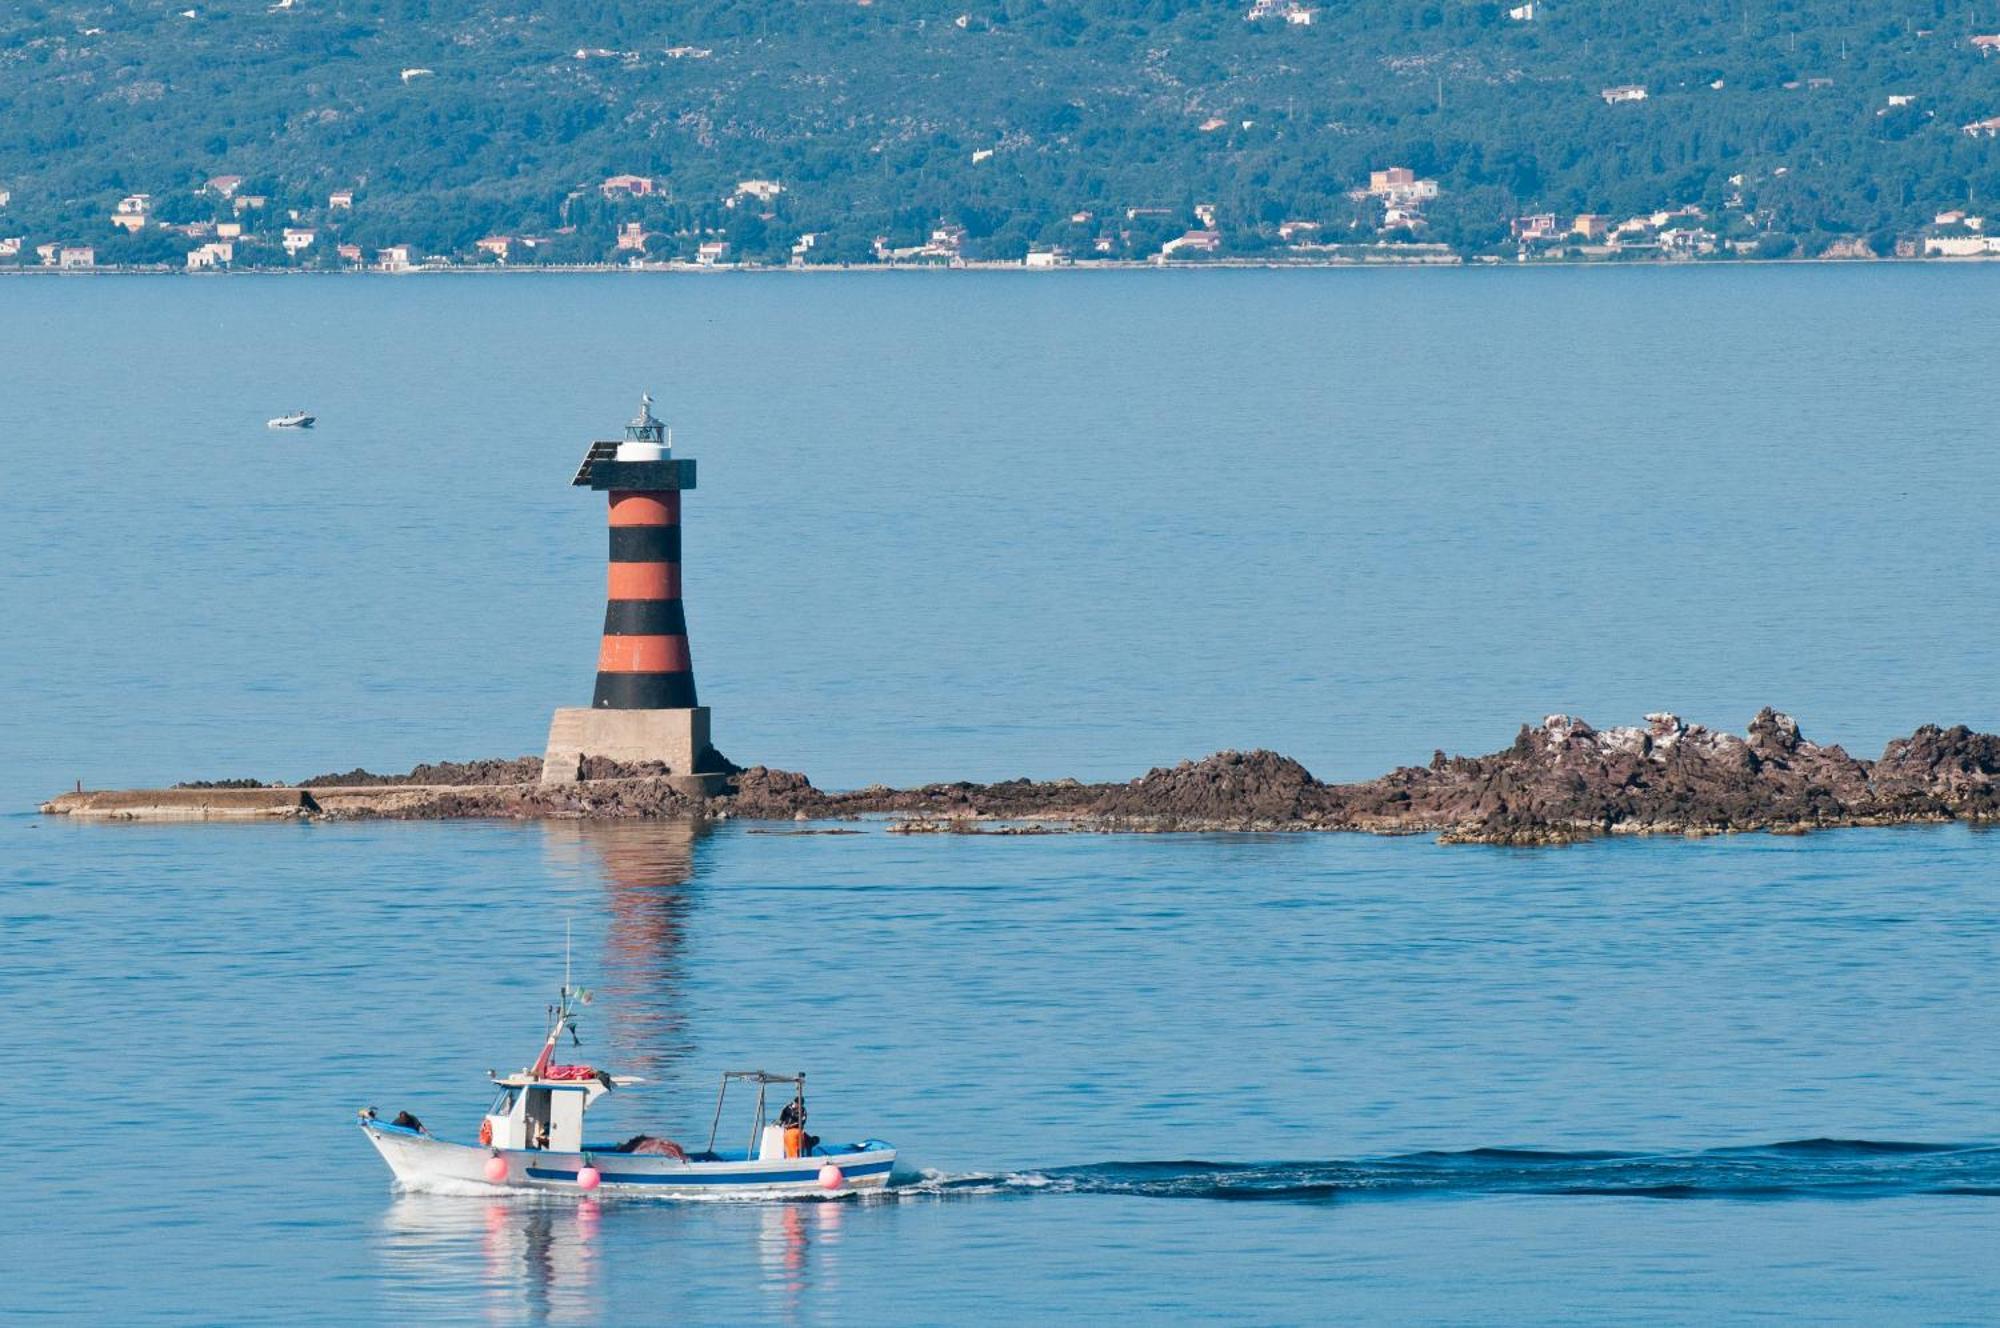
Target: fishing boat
{"points": [[297, 419], [532, 1138]]}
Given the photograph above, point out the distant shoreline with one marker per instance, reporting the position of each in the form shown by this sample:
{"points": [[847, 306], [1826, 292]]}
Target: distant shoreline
{"points": [[1108, 265]]}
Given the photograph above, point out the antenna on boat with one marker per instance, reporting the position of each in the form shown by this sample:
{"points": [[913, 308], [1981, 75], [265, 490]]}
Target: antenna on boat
{"points": [[566, 925]]}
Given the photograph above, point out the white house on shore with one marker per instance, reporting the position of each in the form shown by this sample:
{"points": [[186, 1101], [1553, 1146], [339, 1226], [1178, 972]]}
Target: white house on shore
{"points": [[208, 257]]}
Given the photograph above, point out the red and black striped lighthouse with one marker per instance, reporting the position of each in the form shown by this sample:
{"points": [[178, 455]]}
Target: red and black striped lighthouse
{"points": [[643, 663], [644, 710]]}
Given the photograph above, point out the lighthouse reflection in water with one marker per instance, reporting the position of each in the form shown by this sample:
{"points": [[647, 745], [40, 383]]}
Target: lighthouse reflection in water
{"points": [[640, 1023]]}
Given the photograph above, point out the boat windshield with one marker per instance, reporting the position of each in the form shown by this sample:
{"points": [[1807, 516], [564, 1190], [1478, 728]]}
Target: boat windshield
{"points": [[503, 1105]]}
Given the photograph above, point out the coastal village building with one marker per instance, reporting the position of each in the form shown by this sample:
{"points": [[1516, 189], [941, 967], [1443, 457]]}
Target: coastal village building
{"points": [[214, 254], [6, 197], [1541, 226], [764, 191], [803, 246], [75, 256], [1291, 11], [297, 241], [627, 186], [1961, 246], [48, 253], [224, 186], [497, 245], [340, 200], [249, 203], [712, 254], [348, 253], [1193, 242], [396, 258], [632, 235], [1399, 185], [132, 211], [10, 247], [1988, 43], [229, 230], [1686, 242], [1624, 92], [1046, 258], [1988, 128]]}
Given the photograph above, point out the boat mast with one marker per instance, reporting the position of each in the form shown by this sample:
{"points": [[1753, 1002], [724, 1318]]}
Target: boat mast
{"points": [[560, 1018]]}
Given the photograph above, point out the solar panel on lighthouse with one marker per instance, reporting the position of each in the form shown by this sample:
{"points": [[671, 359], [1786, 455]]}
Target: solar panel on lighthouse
{"points": [[599, 451]]}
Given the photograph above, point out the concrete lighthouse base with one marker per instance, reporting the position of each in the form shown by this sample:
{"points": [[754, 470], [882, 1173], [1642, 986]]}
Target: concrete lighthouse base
{"points": [[677, 739]]}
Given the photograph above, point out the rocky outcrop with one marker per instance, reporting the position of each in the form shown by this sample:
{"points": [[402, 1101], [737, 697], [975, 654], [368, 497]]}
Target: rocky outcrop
{"points": [[1235, 788], [1562, 780], [519, 770]]}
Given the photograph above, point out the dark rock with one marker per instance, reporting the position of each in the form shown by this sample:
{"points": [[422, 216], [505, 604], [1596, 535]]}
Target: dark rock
{"points": [[519, 770]]}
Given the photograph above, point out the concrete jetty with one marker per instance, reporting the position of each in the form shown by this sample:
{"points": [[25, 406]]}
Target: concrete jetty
{"points": [[184, 804]]}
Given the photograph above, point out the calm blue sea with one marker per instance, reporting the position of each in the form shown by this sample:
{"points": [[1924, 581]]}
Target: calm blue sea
{"points": [[980, 526]]}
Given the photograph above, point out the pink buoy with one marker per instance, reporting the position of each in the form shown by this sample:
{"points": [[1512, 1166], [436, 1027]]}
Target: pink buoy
{"points": [[496, 1168], [831, 1178], [589, 1178]]}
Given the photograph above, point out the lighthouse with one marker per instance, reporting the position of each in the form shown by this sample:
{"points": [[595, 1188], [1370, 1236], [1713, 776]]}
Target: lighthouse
{"points": [[644, 710]]}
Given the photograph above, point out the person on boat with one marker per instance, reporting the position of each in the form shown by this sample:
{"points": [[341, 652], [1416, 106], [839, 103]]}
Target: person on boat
{"points": [[793, 1120]]}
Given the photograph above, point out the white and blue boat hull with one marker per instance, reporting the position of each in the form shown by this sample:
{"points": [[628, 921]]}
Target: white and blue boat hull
{"points": [[423, 1161]]}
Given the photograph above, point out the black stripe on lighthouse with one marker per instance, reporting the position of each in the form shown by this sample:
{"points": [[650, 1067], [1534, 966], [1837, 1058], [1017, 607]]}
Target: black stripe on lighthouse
{"points": [[645, 544], [644, 617]]}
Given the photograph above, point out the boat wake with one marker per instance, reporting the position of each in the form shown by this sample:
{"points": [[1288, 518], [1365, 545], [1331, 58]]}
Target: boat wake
{"points": [[1804, 1168]]}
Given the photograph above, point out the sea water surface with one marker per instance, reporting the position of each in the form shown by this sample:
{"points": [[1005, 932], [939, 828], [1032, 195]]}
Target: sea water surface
{"points": [[979, 526]]}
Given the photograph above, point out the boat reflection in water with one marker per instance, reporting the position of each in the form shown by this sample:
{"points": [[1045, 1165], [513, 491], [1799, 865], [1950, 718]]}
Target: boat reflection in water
{"points": [[502, 1261], [646, 867], [786, 1246], [526, 1260]]}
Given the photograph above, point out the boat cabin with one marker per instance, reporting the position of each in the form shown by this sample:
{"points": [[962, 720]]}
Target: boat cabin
{"points": [[535, 1112]]}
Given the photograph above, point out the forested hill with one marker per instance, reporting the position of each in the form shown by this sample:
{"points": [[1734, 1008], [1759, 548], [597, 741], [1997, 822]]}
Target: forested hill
{"points": [[455, 120]]}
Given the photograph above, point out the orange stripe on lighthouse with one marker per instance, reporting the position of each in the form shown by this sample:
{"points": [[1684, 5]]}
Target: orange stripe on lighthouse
{"points": [[643, 654], [646, 509], [644, 581]]}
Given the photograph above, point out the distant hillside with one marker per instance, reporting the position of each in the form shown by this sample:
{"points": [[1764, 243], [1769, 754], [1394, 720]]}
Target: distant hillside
{"points": [[994, 122]]}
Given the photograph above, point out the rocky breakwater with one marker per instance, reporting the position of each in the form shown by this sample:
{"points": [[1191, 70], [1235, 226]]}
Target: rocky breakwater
{"points": [[1561, 781], [1565, 780]]}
